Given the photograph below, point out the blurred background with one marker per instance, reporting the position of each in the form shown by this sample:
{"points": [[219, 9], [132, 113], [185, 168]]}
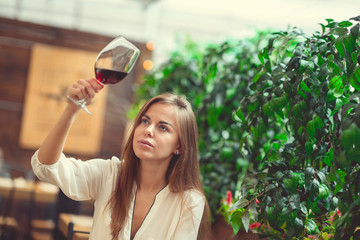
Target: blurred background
{"points": [[160, 21], [35, 35]]}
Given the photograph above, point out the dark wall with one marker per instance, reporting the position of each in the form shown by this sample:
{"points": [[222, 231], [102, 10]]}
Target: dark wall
{"points": [[16, 40]]}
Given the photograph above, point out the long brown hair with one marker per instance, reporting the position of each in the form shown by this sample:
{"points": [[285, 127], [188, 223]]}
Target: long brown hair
{"points": [[183, 172]]}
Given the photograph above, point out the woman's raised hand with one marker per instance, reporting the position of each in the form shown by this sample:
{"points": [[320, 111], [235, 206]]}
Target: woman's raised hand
{"points": [[84, 89], [82, 93]]}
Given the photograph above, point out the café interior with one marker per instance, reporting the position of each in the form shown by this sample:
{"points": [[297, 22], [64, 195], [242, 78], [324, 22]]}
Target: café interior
{"points": [[37, 64]]}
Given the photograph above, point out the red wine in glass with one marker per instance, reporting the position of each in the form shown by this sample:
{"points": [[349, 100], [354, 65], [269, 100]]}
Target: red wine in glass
{"points": [[106, 76], [112, 64]]}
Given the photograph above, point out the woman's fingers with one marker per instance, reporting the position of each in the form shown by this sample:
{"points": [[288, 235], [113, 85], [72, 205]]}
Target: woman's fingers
{"points": [[96, 86], [84, 89], [87, 89], [76, 91]]}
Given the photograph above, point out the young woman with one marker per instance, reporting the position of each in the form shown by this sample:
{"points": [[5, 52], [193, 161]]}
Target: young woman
{"points": [[153, 192]]}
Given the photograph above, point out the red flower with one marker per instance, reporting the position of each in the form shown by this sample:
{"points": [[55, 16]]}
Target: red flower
{"points": [[254, 225], [333, 216], [338, 212], [229, 198], [257, 201]]}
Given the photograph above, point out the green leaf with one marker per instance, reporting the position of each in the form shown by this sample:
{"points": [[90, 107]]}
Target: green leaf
{"points": [[309, 173], [329, 157], [240, 115], [267, 110], [335, 68], [339, 31], [330, 96], [340, 180], [303, 208], [309, 147], [310, 128], [338, 104], [321, 176], [355, 80], [355, 31], [289, 184], [311, 227], [239, 204], [318, 122], [345, 24], [260, 56], [253, 106], [236, 221], [299, 108], [334, 203], [324, 191], [299, 225], [246, 220], [335, 83], [298, 178], [350, 138], [349, 43], [305, 87], [339, 47], [263, 54], [301, 93], [268, 66], [307, 64], [227, 153], [287, 88], [277, 104], [257, 76], [314, 188], [336, 86], [230, 93], [354, 57]]}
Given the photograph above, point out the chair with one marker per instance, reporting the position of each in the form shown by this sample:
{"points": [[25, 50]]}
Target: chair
{"points": [[42, 227], [9, 226], [74, 227], [71, 232], [20, 185]]}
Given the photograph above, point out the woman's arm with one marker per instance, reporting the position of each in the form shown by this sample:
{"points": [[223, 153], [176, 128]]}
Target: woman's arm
{"points": [[188, 227], [53, 145]]}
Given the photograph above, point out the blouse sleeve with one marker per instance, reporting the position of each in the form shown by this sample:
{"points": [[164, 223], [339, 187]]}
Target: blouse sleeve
{"points": [[79, 180], [190, 220]]}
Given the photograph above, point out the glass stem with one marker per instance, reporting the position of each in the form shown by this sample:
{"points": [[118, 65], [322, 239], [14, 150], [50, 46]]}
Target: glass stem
{"points": [[81, 103]]}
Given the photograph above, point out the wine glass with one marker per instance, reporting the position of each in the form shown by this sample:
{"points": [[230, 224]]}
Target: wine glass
{"points": [[113, 64]]}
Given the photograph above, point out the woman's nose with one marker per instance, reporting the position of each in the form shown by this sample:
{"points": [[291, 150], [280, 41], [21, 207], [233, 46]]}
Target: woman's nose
{"points": [[149, 130]]}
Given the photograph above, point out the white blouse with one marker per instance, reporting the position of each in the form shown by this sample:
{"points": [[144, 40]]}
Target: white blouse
{"points": [[96, 179]]}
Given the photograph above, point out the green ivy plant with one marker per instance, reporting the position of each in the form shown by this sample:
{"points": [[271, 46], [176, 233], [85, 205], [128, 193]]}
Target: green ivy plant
{"points": [[304, 134]]}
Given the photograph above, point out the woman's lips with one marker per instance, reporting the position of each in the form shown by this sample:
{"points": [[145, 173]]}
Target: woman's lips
{"points": [[145, 143]]}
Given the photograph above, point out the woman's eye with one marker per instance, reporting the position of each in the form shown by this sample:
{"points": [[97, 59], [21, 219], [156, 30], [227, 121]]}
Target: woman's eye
{"points": [[163, 128], [144, 121]]}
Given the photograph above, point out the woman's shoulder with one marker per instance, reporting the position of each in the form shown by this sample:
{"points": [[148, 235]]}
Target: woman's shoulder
{"points": [[194, 196]]}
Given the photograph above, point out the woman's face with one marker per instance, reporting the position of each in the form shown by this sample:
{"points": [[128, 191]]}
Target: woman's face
{"points": [[156, 138]]}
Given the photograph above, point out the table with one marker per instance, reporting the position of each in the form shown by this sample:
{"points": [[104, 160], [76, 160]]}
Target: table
{"points": [[23, 189], [13, 190], [81, 223]]}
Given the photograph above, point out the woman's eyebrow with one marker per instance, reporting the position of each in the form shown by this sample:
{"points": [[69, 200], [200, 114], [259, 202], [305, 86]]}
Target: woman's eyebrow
{"points": [[161, 122], [167, 123]]}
